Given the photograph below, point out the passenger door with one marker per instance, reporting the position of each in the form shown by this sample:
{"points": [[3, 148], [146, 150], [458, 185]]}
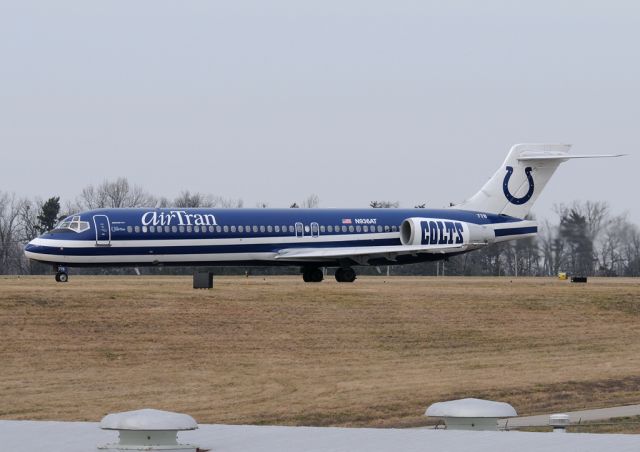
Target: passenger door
{"points": [[315, 230], [103, 230]]}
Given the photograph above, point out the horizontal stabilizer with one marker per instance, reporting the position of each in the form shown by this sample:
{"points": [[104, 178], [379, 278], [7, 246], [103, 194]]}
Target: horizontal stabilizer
{"points": [[562, 156]]}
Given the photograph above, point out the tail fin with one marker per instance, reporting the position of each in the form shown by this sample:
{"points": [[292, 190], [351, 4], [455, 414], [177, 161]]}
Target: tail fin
{"points": [[519, 181]]}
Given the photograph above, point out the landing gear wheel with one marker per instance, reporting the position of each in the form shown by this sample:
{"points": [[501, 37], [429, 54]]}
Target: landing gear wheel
{"points": [[62, 277], [312, 275], [345, 274]]}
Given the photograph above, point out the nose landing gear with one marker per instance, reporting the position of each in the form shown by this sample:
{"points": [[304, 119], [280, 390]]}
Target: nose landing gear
{"points": [[61, 274]]}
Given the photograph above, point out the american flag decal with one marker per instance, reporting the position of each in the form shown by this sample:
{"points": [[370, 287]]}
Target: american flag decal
{"points": [[346, 221]]}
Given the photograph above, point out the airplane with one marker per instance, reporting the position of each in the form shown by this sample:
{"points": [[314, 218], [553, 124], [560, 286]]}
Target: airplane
{"points": [[308, 238]]}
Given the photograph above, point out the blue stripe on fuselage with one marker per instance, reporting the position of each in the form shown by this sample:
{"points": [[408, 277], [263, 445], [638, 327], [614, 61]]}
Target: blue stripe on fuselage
{"points": [[92, 250], [516, 231], [121, 218]]}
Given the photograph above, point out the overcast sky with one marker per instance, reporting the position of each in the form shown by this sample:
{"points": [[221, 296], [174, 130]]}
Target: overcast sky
{"points": [[270, 101]]}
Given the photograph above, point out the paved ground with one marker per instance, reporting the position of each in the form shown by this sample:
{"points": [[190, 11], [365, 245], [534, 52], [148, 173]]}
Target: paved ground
{"points": [[576, 416]]}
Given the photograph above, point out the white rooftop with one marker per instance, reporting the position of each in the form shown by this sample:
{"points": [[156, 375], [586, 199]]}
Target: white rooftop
{"points": [[148, 419], [474, 408], [30, 436]]}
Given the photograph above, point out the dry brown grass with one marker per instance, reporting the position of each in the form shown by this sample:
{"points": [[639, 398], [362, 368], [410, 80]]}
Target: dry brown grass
{"points": [[276, 350]]}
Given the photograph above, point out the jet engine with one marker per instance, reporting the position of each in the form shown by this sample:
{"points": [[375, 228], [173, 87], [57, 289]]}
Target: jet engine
{"points": [[443, 232]]}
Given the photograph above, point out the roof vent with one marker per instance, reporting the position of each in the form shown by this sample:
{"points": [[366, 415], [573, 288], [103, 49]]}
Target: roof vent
{"points": [[149, 430], [471, 414], [559, 422]]}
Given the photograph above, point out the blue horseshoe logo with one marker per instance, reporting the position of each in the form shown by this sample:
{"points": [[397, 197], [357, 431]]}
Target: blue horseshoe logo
{"points": [[505, 186]]}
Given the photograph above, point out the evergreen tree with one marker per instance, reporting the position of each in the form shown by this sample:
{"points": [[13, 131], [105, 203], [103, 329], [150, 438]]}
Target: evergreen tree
{"points": [[48, 215]]}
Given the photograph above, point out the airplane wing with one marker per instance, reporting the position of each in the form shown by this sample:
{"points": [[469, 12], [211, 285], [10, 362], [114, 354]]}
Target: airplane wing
{"points": [[389, 252]]}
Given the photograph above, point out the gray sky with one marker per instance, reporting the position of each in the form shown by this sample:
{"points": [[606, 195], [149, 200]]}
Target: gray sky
{"points": [[414, 101]]}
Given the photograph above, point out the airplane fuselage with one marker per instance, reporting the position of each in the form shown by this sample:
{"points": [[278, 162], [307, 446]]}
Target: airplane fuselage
{"points": [[138, 237]]}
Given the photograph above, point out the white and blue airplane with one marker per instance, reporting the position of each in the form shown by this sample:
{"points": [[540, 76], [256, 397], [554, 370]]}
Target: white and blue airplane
{"points": [[309, 238]]}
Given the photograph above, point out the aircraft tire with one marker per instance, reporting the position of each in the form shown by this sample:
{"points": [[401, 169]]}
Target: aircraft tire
{"points": [[312, 275], [62, 277], [345, 274]]}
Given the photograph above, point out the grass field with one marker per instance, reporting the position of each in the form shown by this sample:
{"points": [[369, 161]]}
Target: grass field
{"points": [[278, 351]]}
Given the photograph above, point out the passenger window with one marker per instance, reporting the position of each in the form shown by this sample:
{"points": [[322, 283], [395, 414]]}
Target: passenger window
{"points": [[379, 228], [166, 229], [291, 229], [218, 229], [358, 228], [322, 229], [329, 228], [394, 228], [189, 229], [136, 228], [152, 229], [226, 229], [129, 229], [351, 228], [174, 229], [344, 228], [277, 228], [365, 228], [269, 228], [240, 228], [386, 228], [233, 229], [181, 228], [255, 228], [262, 228], [144, 229], [197, 229], [210, 228]]}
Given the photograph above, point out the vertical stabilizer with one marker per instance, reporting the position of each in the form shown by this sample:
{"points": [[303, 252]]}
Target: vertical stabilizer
{"points": [[520, 179]]}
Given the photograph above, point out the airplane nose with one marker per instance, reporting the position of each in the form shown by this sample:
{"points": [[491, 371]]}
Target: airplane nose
{"points": [[33, 246]]}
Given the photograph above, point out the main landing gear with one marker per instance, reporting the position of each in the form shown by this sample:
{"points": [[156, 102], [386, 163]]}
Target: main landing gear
{"points": [[314, 274], [345, 274], [61, 274]]}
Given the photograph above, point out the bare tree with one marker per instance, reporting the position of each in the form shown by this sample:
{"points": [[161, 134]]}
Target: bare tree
{"points": [[29, 220], [163, 202], [312, 202], [632, 252], [229, 203], [552, 248], [11, 241], [114, 194], [187, 199], [384, 204]]}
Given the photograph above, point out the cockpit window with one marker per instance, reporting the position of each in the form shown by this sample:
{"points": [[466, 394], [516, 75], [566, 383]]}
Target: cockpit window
{"points": [[73, 223]]}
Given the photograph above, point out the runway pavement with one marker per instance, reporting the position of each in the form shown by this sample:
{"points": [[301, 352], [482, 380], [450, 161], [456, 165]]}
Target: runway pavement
{"points": [[575, 416]]}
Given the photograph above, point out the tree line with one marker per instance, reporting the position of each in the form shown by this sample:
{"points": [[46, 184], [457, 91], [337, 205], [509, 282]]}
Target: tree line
{"points": [[584, 238]]}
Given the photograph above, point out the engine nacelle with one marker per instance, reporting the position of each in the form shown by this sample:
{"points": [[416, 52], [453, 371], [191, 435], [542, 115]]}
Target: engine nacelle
{"points": [[442, 232]]}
